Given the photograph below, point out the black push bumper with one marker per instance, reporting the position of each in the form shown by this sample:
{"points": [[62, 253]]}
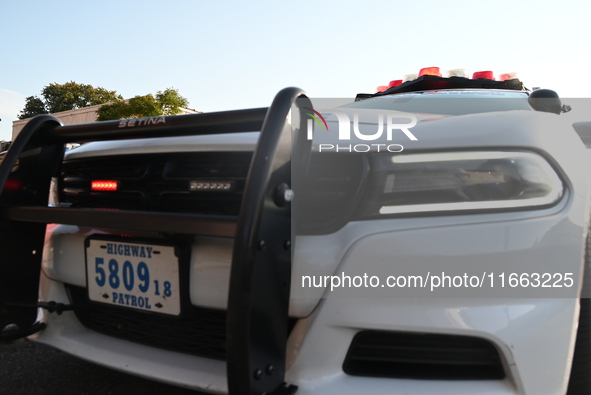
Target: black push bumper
{"points": [[257, 314]]}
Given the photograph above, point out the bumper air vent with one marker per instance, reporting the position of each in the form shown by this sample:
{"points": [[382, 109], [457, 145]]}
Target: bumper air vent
{"points": [[422, 356], [198, 331]]}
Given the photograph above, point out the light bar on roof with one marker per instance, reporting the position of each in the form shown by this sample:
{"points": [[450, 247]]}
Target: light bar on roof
{"points": [[434, 71]]}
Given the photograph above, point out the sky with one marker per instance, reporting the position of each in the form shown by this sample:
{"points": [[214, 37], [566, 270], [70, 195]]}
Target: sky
{"points": [[225, 55]]}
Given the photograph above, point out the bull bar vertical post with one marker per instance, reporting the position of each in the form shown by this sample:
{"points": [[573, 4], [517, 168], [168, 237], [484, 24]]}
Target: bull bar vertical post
{"points": [[261, 267]]}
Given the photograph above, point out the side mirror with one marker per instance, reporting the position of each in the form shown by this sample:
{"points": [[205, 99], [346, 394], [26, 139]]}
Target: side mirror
{"points": [[545, 100]]}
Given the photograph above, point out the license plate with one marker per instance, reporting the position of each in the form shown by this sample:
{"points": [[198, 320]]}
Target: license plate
{"points": [[135, 275]]}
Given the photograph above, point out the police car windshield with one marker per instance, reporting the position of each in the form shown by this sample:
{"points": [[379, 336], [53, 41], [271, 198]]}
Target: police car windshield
{"points": [[457, 102]]}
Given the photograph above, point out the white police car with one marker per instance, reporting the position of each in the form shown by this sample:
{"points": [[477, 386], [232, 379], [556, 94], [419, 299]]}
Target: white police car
{"points": [[435, 236]]}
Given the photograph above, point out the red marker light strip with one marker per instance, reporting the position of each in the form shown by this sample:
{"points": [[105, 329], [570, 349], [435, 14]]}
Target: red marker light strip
{"points": [[104, 185]]}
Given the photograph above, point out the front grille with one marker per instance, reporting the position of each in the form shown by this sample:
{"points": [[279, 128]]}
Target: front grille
{"points": [[159, 182], [198, 331], [422, 356]]}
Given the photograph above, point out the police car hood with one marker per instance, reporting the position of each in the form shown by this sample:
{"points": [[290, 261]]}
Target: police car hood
{"points": [[411, 131], [517, 128]]}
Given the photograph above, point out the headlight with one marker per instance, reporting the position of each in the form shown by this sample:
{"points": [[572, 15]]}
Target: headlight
{"points": [[458, 181]]}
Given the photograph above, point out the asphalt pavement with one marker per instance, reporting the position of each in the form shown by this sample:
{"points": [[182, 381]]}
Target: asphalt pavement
{"points": [[28, 368]]}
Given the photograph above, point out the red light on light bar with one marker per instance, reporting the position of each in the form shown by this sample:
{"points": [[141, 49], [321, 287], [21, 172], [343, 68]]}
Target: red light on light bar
{"points": [[430, 71], [394, 83], [381, 88], [507, 76], [104, 185], [483, 74]]}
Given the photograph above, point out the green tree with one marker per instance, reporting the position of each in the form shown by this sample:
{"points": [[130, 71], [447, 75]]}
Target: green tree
{"points": [[33, 106], [64, 97], [170, 101], [167, 102]]}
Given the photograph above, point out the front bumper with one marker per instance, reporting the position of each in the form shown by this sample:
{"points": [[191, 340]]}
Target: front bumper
{"points": [[533, 335]]}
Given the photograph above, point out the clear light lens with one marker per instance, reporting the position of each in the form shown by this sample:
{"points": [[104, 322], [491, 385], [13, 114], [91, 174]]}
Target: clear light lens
{"points": [[456, 73], [462, 181], [208, 185], [410, 77]]}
